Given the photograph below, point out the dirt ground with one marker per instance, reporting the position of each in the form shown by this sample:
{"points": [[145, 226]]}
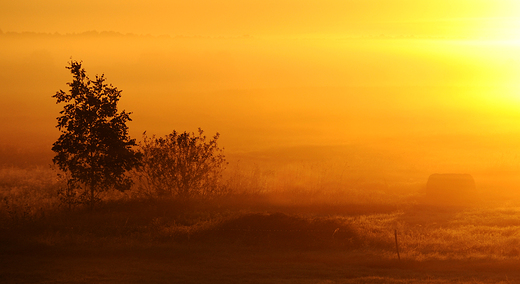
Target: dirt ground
{"points": [[201, 263]]}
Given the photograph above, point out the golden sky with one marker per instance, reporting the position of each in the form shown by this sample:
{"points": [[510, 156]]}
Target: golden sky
{"points": [[432, 84], [265, 17]]}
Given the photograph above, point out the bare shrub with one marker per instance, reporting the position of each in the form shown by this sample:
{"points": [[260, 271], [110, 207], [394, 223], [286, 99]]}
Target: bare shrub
{"points": [[181, 165]]}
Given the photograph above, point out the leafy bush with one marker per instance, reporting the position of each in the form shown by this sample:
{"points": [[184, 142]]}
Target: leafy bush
{"points": [[181, 165]]}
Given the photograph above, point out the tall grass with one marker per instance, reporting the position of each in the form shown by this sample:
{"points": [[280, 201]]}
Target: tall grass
{"points": [[315, 183], [26, 193], [366, 214]]}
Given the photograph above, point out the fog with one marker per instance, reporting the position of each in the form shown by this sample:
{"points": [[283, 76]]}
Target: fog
{"points": [[358, 135], [394, 93], [405, 108]]}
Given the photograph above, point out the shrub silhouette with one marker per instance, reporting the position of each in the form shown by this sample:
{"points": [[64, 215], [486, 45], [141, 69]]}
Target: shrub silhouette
{"points": [[181, 165], [451, 189]]}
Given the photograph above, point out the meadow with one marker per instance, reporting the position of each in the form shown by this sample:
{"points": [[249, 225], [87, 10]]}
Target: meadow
{"points": [[261, 231]]}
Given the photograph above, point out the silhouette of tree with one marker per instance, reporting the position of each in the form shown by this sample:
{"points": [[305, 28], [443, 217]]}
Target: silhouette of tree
{"points": [[94, 148], [183, 165]]}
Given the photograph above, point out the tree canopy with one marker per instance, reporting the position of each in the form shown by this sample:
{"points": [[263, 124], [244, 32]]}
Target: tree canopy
{"points": [[94, 147]]}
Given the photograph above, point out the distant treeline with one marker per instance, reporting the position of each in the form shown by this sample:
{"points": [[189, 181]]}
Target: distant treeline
{"points": [[94, 33], [112, 34]]}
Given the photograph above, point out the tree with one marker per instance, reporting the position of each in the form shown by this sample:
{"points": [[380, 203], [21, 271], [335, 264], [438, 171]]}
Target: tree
{"points": [[94, 147], [183, 165]]}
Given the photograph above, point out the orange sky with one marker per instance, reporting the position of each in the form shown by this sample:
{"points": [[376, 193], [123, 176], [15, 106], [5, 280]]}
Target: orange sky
{"points": [[263, 17], [432, 84]]}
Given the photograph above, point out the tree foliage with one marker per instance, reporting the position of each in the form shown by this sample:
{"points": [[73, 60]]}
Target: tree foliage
{"points": [[181, 165], [94, 147]]}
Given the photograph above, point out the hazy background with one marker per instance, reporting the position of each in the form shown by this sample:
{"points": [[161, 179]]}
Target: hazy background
{"points": [[392, 90]]}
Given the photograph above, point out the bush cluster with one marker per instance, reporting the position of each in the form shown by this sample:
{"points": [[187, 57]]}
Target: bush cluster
{"points": [[95, 152]]}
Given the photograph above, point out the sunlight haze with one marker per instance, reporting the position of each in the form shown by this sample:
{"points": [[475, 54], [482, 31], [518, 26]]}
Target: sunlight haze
{"points": [[359, 141], [430, 86]]}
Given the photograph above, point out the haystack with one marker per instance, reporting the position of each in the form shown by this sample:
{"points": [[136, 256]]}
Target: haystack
{"points": [[451, 189]]}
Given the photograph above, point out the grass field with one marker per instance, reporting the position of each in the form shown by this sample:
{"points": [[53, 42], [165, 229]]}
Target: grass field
{"points": [[249, 238]]}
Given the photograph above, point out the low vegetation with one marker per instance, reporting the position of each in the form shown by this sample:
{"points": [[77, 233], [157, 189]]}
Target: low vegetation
{"points": [[328, 231]]}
